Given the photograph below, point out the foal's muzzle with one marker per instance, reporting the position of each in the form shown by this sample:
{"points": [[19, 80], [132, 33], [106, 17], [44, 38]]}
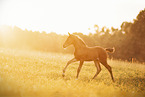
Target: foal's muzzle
{"points": [[64, 46]]}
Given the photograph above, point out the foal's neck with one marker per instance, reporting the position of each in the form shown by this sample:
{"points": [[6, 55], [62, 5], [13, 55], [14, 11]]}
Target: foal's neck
{"points": [[79, 44]]}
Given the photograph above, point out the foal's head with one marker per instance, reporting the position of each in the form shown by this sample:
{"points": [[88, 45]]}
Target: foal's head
{"points": [[69, 40], [73, 39]]}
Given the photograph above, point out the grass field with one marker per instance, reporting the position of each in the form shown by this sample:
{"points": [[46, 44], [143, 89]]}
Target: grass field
{"points": [[39, 74]]}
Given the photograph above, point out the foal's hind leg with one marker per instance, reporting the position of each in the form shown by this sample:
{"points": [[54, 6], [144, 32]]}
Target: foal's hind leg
{"points": [[97, 64], [69, 62], [108, 68]]}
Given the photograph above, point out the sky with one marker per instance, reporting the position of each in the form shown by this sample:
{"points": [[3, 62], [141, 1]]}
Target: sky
{"points": [[63, 16]]}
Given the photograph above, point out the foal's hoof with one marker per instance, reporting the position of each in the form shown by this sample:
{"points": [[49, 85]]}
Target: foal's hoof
{"points": [[113, 81], [63, 75], [92, 79]]}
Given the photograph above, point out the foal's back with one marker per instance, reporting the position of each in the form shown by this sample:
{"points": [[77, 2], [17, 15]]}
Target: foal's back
{"points": [[99, 51], [91, 54]]}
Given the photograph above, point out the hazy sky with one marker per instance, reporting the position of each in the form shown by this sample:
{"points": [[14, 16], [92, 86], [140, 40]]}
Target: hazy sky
{"points": [[62, 16]]}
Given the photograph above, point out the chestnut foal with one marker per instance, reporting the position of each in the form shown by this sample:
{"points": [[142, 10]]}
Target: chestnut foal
{"points": [[84, 53]]}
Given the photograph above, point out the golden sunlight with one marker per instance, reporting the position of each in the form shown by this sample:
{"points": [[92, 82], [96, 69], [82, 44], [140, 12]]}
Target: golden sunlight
{"points": [[6, 35], [67, 16], [108, 33], [4, 31]]}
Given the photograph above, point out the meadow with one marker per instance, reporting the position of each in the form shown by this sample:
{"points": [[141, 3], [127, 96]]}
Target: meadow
{"points": [[39, 74]]}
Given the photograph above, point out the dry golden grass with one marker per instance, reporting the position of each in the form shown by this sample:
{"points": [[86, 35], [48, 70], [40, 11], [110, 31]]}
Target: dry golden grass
{"points": [[39, 74]]}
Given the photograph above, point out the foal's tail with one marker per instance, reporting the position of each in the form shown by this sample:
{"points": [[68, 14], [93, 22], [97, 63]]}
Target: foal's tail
{"points": [[111, 50]]}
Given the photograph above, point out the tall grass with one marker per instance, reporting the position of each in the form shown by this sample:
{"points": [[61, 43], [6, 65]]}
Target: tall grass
{"points": [[39, 74]]}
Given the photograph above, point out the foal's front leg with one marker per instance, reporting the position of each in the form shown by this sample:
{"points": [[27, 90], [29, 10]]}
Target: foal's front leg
{"points": [[79, 68], [69, 62]]}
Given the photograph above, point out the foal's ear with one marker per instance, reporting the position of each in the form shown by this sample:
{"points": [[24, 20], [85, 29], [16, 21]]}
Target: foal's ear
{"points": [[69, 34]]}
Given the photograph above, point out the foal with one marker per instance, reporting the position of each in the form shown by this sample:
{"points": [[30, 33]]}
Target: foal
{"points": [[84, 53]]}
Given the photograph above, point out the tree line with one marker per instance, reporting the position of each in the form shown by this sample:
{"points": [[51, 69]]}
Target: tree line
{"points": [[129, 41]]}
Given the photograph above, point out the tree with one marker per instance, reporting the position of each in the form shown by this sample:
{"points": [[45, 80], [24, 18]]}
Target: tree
{"points": [[134, 41], [138, 36], [126, 26]]}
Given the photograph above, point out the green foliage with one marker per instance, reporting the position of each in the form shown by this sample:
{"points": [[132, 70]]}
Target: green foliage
{"points": [[135, 37]]}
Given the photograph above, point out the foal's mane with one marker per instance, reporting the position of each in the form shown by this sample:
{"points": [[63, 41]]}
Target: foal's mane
{"points": [[79, 40]]}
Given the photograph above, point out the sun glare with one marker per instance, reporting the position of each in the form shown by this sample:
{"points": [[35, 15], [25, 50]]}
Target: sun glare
{"points": [[67, 16], [4, 31], [6, 34]]}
